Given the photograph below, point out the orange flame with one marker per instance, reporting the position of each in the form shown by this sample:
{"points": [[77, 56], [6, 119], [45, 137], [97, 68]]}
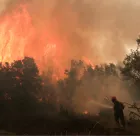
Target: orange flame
{"points": [[19, 38], [85, 112], [88, 62]]}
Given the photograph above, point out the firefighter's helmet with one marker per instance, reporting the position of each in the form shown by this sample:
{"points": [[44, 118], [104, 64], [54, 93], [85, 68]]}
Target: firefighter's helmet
{"points": [[114, 99]]}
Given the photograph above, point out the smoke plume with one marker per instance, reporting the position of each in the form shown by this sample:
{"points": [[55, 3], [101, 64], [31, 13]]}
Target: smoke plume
{"points": [[99, 30]]}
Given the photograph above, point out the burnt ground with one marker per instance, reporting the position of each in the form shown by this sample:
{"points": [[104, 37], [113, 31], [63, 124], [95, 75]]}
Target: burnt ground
{"points": [[66, 126]]}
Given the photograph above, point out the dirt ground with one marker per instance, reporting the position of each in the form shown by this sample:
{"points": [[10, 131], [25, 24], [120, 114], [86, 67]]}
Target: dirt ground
{"points": [[69, 126]]}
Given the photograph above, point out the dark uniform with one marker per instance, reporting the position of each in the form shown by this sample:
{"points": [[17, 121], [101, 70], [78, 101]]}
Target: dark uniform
{"points": [[118, 112]]}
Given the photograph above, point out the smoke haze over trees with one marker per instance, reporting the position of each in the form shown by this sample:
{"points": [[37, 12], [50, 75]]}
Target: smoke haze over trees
{"points": [[33, 102], [25, 93]]}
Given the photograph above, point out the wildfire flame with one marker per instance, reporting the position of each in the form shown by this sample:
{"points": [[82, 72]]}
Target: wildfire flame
{"points": [[88, 62], [19, 38]]}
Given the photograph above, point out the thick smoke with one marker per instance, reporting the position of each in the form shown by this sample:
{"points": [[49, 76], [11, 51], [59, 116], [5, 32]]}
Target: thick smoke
{"points": [[95, 96], [3, 4], [100, 30]]}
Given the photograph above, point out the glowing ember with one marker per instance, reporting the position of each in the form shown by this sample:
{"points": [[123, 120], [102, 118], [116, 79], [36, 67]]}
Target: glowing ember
{"points": [[85, 112], [17, 77]]}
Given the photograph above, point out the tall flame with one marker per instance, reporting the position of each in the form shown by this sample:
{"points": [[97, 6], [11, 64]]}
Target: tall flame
{"points": [[19, 37], [13, 35]]}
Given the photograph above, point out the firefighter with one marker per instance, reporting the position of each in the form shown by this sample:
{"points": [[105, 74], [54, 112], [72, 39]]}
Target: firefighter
{"points": [[118, 112]]}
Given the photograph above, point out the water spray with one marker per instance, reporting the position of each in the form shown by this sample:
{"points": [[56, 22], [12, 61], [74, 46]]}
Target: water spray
{"points": [[100, 104]]}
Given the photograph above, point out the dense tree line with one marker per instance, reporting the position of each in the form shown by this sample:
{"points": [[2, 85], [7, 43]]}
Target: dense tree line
{"points": [[23, 91]]}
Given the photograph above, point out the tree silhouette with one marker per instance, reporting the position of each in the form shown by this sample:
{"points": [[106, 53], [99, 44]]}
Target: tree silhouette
{"points": [[19, 85], [131, 70]]}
